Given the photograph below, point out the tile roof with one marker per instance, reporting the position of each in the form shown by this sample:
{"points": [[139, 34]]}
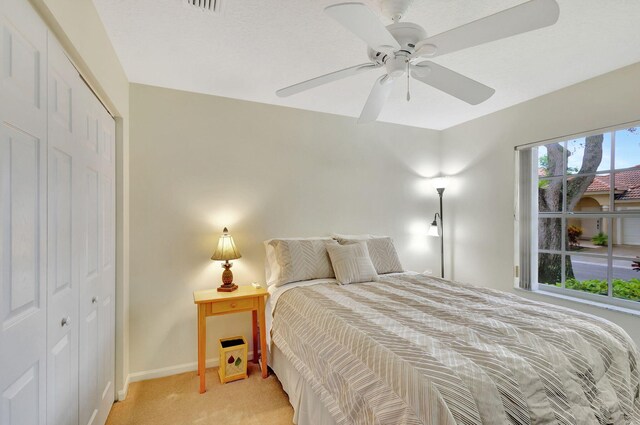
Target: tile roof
{"points": [[626, 181], [631, 194]]}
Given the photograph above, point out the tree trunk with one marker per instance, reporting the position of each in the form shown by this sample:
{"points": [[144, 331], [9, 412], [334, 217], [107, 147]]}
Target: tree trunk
{"points": [[550, 200]]}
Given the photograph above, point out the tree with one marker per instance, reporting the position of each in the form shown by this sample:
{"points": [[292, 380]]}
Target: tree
{"points": [[550, 199], [543, 162]]}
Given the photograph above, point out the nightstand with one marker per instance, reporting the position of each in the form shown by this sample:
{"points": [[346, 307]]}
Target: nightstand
{"points": [[213, 303]]}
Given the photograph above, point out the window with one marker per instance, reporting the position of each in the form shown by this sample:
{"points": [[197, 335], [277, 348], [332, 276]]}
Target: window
{"points": [[579, 216]]}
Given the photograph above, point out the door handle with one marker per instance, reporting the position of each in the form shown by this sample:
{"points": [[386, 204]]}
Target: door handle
{"points": [[66, 321]]}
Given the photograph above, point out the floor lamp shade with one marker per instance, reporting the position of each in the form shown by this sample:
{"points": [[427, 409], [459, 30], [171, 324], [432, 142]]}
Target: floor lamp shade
{"points": [[225, 251], [439, 183]]}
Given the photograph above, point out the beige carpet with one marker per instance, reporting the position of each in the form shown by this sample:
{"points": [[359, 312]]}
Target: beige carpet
{"points": [[175, 400]]}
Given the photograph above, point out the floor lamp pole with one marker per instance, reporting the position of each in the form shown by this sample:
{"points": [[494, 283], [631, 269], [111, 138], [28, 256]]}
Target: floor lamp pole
{"points": [[440, 192]]}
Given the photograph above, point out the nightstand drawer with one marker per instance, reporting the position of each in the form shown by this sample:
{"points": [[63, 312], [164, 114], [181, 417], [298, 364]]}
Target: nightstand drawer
{"points": [[231, 305]]}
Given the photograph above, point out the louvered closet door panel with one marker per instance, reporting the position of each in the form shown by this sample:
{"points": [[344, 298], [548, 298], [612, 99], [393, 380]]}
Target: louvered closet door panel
{"points": [[23, 158], [64, 241]]}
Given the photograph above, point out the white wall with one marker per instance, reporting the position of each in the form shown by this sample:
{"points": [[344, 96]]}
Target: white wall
{"points": [[480, 156], [199, 163], [79, 29]]}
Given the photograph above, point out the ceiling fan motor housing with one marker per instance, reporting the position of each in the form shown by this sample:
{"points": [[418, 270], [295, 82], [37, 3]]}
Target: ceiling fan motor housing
{"points": [[407, 34]]}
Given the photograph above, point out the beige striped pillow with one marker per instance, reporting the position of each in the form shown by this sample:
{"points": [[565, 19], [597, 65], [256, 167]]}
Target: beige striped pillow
{"points": [[351, 263], [294, 260], [382, 252]]}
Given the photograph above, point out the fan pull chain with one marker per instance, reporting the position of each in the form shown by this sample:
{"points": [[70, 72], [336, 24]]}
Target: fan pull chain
{"points": [[408, 82]]}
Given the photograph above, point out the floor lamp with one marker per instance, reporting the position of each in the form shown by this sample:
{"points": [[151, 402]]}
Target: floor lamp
{"points": [[434, 229]]}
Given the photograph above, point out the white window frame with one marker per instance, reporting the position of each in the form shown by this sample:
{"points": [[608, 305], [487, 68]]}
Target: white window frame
{"points": [[526, 220]]}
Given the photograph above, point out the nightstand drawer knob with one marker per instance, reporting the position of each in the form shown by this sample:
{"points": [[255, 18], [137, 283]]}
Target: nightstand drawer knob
{"points": [[232, 305]]}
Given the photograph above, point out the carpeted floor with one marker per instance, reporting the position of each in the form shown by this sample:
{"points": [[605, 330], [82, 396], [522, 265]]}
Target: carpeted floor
{"points": [[175, 400]]}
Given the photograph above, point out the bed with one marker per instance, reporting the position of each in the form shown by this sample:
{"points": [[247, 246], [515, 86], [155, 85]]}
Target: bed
{"points": [[414, 349]]}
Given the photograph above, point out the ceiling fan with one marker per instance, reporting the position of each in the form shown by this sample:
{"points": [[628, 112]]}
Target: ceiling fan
{"points": [[401, 46]]}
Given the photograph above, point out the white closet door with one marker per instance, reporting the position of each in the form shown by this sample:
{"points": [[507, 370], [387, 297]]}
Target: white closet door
{"points": [[57, 233], [106, 306], [23, 161], [89, 260], [64, 243], [97, 270]]}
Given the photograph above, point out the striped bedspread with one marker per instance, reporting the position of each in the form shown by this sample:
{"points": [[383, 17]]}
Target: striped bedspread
{"points": [[417, 350]]}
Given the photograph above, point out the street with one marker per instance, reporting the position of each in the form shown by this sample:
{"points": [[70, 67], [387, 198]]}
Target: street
{"points": [[584, 270]]}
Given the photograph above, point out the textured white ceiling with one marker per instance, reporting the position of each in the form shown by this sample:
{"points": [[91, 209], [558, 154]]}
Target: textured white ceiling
{"points": [[259, 46]]}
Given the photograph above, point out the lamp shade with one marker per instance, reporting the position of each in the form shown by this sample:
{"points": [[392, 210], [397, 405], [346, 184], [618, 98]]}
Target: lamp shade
{"points": [[439, 183], [433, 229], [226, 249]]}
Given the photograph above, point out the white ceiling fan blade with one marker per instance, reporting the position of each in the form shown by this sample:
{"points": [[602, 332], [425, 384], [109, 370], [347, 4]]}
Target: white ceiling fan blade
{"points": [[451, 82], [324, 79], [360, 20], [525, 17], [376, 100]]}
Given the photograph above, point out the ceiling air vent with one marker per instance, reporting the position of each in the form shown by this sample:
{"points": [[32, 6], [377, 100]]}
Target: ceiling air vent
{"points": [[208, 6]]}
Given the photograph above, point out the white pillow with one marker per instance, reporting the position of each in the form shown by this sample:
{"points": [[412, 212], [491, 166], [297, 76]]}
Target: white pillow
{"points": [[382, 252], [352, 263], [296, 259]]}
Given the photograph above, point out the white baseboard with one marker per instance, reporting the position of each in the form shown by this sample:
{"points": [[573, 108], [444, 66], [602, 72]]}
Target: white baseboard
{"points": [[166, 371], [122, 394]]}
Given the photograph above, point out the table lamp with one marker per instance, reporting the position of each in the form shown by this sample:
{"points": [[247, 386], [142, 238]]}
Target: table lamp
{"points": [[225, 251]]}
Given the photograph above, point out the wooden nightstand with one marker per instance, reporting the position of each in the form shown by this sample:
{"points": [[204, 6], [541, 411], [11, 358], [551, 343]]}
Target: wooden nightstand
{"points": [[213, 303]]}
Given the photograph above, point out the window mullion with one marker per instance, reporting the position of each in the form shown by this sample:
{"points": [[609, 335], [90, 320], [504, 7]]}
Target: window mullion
{"points": [[612, 208], [563, 220], [610, 258]]}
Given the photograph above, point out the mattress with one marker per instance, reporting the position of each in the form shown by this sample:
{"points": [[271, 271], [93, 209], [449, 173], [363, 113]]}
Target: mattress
{"points": [[412, 349]]}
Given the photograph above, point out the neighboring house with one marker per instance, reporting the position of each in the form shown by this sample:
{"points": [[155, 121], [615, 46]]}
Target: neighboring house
{"points": [[626, 197]]}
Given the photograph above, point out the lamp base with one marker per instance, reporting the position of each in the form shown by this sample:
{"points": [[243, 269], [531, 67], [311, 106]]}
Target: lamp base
{"points": [[230, 287], [227, 279]]}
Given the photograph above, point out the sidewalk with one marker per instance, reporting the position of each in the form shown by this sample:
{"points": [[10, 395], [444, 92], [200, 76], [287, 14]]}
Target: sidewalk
{"points": [[588, 247]]}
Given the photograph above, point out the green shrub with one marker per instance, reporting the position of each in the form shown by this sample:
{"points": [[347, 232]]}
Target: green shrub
{"points": [[600, 239], [595, 286], [626, 289]]}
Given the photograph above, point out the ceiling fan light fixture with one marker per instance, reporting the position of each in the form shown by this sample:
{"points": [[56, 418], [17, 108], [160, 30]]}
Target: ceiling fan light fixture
{"points": [[396, 67]]}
